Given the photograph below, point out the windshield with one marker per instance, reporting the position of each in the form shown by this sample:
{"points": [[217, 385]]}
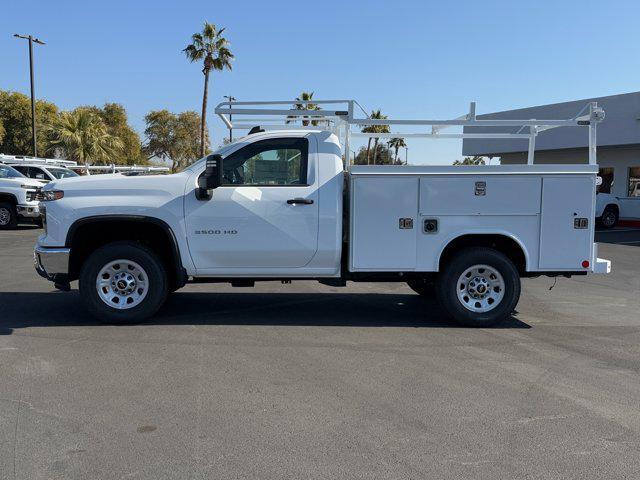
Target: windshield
{"points": [[62, 173], [8, 172], [221, 151]]}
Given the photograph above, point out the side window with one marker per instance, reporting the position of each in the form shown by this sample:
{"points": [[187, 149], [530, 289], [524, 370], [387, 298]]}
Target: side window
{"points": [[22, 170], [35, 172], [634, 181], [278, 161], [606, 173]]}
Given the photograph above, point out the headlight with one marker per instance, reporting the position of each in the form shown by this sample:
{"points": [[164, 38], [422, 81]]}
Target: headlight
{"points": [[50, 195]]}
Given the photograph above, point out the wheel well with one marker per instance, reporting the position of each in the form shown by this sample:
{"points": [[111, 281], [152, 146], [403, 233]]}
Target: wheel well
{"points": [[86, 236], [7, 197], [613, 207], [501, 243]]}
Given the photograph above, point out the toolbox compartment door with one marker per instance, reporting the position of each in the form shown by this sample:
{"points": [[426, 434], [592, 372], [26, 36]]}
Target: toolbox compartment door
{"points": [[378, 240], [564, 245], [480, 195]]}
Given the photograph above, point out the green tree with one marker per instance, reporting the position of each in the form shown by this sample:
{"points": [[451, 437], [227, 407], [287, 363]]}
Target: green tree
{"points": [[115, 119], [383, 155], [477, 160], [396, 143], [211, 46], [378, 129], [305, 96], [376, 115], [174, 138], [15, 117], [81, 135], [2, 131]]}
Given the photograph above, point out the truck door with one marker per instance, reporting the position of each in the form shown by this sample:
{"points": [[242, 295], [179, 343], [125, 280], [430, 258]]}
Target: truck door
{"points": [[265, 215]]}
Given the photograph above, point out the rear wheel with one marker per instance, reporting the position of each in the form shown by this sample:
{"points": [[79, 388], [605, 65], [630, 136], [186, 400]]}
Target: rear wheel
{"points": [[479, 287], [123, 282], [8, 216], [609, 217]]}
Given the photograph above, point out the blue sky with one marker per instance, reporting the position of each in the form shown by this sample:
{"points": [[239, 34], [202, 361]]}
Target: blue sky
{"points": [[410, 58]]}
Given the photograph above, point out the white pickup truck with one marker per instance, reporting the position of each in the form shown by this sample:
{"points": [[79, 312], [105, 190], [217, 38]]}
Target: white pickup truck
{"points": [[280, 205], [18, 198]]}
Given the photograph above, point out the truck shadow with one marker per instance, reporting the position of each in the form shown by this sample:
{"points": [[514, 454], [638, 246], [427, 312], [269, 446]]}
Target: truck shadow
{"points": [[57, 309]]}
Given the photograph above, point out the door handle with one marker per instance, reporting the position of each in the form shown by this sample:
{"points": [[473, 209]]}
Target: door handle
{"points": [[302, 201]]}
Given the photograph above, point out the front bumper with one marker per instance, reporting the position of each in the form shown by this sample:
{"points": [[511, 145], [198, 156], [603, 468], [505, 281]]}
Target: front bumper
{"points": [[52, 263], [28, 211]]}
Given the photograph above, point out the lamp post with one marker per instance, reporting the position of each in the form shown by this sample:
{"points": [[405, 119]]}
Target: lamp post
{"points": [[33, 94], [231, 99], [406, 155]]}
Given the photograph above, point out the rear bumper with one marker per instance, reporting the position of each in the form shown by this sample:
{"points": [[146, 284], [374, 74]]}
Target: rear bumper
{"points": [[52, 263], [602, 266]]}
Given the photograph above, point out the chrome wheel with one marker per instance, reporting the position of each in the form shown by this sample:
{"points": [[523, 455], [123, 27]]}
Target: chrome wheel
{"points": [[5, 216], [122, 284], [480, 288]]}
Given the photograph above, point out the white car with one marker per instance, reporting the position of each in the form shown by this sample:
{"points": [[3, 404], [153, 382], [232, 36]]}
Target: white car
{"points": [[279, 205], [18, 198], [607, 210], [43, 172]]}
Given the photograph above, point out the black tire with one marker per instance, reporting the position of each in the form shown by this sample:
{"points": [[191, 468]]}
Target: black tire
{"points": [[447, 287], [609, 218], [8, 216], [422, 287], [145, 258]]}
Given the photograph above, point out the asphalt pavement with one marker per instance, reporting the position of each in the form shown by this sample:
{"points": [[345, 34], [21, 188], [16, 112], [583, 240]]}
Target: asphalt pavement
{"points": [[308, 381]]}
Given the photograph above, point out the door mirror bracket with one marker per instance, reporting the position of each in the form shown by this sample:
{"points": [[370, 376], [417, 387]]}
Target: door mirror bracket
{"points": [[211, 178]]}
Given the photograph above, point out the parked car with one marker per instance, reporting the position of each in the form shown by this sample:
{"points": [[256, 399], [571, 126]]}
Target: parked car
{"points": [[44, 173], [18, 198], [278, 205], [607, 210]]}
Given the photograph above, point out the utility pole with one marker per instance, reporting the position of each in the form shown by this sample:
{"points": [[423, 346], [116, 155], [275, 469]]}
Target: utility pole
{"points": [[406, 155], [33, 93], [231, 99]]}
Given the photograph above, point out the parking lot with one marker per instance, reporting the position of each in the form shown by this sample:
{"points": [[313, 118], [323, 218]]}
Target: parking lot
{"points": [[307, 381]]}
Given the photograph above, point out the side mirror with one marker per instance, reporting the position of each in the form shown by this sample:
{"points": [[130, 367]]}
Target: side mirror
{"points": [[211, 177]]}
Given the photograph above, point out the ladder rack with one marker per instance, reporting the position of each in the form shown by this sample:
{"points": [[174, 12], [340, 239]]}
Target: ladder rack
{"points": [[17, 159], [338, 116]]}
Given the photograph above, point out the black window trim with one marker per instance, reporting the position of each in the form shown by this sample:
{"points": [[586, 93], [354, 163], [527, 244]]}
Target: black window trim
{"points": [[301, 143]]}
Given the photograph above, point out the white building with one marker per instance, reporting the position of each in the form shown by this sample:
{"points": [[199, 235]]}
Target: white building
{"points": [[618, 144]]}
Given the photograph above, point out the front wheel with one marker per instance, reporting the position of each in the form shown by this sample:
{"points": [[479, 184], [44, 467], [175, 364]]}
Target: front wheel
{"points": [[8, 216], [123, 282], [479, 287]]}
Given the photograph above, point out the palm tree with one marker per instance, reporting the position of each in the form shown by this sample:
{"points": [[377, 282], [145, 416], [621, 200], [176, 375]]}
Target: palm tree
{"points": [[81, 135], [396, 143], [377, 115], [305, 96], [369, 129], [211, 46]]}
